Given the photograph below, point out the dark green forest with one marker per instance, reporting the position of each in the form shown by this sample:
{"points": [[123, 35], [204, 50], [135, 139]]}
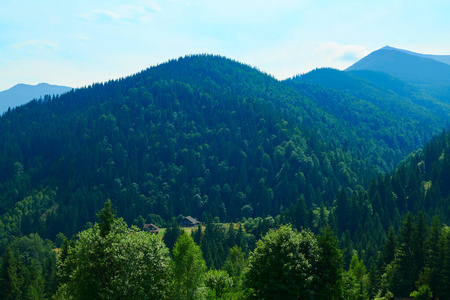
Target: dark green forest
{"points": [[344, 173]]}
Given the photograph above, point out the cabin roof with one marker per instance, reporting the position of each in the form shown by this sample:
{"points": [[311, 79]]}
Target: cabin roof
{"points": [[151, 227]]}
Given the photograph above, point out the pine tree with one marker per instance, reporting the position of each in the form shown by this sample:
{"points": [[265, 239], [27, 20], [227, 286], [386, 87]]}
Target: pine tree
{"points": [[432, 245], [11, 277], [418, 241], [443, 289], [405, 269], [387, 254], [172, 233], [330, 266], [35, 283], [106, 217]]}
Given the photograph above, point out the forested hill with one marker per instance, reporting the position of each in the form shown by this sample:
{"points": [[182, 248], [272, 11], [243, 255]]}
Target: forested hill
{"points": [[385, 115], [420, 184], [418, 192], [194, 136]]}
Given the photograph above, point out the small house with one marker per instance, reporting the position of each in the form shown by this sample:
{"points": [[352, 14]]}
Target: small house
{"points": [[189, 222], [151, 228]]}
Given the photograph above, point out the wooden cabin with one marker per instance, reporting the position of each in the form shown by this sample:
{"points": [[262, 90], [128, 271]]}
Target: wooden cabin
{"points": [[151, 228], [189, 222]]}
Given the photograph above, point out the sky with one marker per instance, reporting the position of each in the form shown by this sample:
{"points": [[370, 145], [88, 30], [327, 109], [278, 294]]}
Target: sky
{"points": [[77, 43]]}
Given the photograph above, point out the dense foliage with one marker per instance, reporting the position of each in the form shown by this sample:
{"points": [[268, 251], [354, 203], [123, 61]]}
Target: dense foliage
{"points": [[283, 266], [387, 118], [115, 263], [218, 140], [201, 134]]}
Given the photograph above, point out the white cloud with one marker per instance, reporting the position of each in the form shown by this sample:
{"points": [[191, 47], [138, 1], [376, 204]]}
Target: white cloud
{"points": [[298, 55], [338, 53], [100, 15], [156, 7], [34, 45], [124, 13]]}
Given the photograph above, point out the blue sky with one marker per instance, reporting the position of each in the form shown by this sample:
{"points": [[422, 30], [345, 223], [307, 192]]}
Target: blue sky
{"points": [[76, 43]]}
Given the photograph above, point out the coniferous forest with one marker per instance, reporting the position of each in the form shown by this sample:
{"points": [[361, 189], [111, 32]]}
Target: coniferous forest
{"points": [[328, 185]]}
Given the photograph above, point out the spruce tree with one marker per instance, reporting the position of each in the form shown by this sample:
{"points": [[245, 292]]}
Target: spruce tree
{"points": [[329, 266], [10, 277], [106, 217]]}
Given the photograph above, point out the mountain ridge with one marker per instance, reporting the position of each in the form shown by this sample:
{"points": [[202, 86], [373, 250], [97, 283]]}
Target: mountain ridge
{"points": [[22, 93], [410, 68], [440, 58]]}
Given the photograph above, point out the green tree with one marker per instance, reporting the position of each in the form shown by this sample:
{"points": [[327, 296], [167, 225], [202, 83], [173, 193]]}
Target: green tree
{"points": [[126, 263], [386, 282], [60, 238], [62, 268], [424, 293], [419, 239], [443, 287], [189, 268], [404, 267], [388, 251], [357, 280], [433, 262], [283, 265], [218, 283], [235, 262], [171, 235], [10, 276], [329, 266], [106, 217], [35, 283]]}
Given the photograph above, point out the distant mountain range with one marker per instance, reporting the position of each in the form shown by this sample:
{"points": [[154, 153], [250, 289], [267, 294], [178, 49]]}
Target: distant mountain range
{"points": [[430, 73], [23, 93]]}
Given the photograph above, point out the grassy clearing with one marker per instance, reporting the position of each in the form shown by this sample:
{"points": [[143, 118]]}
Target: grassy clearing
{"points": [[189, 230]]}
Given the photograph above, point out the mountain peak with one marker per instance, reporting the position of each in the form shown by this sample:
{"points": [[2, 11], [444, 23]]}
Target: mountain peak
{"points": [[387, 47], [411, 67]]}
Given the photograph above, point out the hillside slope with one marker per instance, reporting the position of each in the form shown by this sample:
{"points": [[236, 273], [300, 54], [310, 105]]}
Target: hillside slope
{"points": [[195, 136], [385, 115]]}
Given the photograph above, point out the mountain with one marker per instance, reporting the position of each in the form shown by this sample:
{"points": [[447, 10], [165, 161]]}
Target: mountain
{"points": [[384, 110], [196, 136], [381, 110], [441, 58], [23, 93], [354, 153], [411, 67]]}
